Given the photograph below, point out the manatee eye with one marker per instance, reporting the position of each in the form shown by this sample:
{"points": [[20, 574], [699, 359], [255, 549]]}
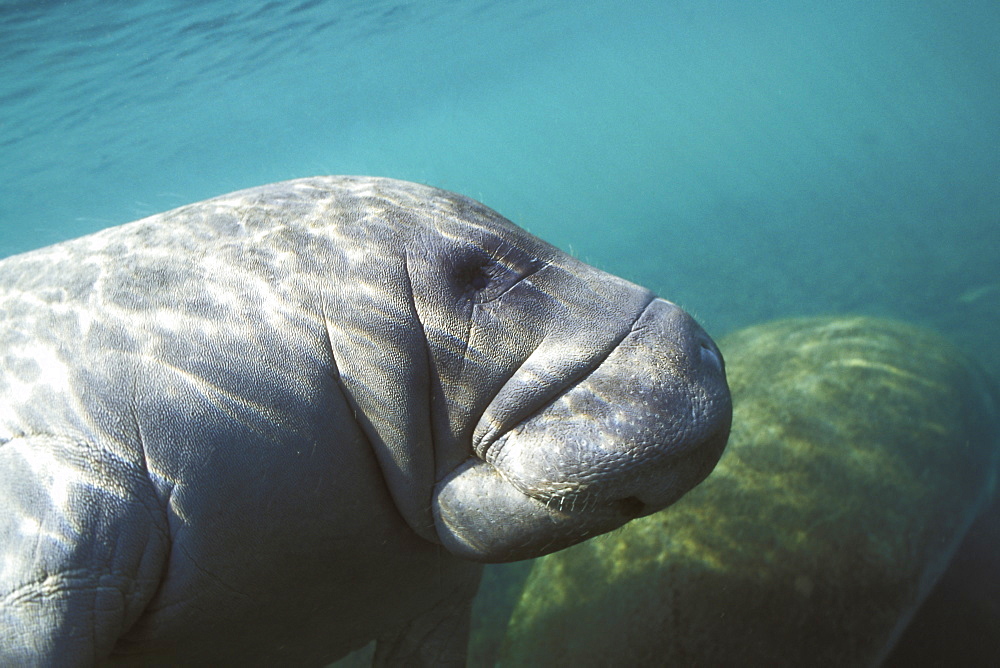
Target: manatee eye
{"points": [[486, 273], [474, 276]]}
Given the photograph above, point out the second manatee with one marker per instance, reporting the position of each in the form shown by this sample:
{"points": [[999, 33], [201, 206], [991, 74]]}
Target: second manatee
{"points": [[861, 451]]}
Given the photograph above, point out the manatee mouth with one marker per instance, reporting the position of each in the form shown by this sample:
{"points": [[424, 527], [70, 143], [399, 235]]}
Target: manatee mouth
{"points": [[627, 439]]}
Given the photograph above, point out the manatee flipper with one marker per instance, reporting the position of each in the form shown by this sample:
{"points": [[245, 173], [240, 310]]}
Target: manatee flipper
{"points": [[83, 548]]}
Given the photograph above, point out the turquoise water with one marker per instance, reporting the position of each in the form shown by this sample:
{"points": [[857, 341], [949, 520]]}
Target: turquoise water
{"points": [[747, 160]]}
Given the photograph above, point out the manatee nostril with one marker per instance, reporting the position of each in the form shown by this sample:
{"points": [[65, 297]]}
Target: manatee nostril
{"points": [[630, 507], [710, 354]]}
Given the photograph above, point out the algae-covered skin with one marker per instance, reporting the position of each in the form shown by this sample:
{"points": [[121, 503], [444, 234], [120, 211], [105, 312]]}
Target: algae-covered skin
{"points": [[860, 452]]}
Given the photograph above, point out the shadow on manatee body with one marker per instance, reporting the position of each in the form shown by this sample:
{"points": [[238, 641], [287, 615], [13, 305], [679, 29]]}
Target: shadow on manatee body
{"points": [[861, 451], [499, 592], [959, 621]]}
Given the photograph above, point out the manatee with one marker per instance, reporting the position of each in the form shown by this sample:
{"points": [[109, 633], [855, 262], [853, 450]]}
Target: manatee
{"points": [[271, 427], [861, 450]]}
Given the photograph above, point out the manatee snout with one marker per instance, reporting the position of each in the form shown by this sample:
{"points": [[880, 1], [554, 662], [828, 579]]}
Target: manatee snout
{"points": [[629, 438]]}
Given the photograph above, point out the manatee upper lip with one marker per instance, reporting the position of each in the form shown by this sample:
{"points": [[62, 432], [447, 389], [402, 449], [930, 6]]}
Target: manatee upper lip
{"points": [[483, 441], [570, 496]]}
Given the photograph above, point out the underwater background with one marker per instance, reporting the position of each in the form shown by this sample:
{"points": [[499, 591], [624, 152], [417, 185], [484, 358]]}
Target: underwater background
{"points": [[749, 161]]}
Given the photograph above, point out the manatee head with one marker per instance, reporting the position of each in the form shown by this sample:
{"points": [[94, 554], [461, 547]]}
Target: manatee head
{"points": [[564, 401], [625, 439]]}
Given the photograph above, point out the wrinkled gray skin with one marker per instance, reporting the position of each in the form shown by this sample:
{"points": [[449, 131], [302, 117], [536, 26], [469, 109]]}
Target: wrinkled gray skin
{"points": [[273, 426]]}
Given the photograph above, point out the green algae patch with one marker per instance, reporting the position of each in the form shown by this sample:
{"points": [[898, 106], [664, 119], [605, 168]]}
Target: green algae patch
{"points": [[860, 452]]}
